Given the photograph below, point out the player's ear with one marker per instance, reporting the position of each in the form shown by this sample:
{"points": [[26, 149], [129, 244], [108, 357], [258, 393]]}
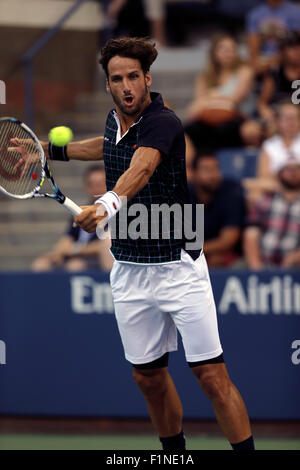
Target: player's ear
{"points": [[107, 85], [148, 79]]}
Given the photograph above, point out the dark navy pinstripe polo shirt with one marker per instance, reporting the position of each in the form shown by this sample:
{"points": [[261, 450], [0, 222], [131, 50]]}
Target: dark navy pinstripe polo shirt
{"points": [[158, 127]]}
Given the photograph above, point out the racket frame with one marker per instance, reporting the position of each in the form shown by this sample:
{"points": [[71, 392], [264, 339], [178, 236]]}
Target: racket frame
{"points": [[67, 203]]}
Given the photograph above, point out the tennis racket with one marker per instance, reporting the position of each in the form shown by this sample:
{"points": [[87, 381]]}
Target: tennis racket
{"points": [[24, 167]]}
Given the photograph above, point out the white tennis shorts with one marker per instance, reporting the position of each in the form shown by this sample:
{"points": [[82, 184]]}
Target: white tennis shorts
{"points": [[153, 302]]}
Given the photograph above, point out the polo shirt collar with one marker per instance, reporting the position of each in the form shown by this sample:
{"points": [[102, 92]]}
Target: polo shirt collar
{"points": [[155, 105], [118, 134]]}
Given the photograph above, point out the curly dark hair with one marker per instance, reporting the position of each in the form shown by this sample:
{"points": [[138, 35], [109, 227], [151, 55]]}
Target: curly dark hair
{"points": [[141, 49]]}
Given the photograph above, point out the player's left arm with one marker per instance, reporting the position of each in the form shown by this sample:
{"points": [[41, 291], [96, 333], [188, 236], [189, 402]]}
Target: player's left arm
{"points": [[144, 162]]}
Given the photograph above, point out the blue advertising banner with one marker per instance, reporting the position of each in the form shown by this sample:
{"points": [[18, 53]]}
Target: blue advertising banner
{"points": [[61, 354]]}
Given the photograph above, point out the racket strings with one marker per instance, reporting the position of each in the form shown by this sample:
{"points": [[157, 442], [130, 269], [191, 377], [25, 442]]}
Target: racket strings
{"points": [[24, 179], [8, 174]]}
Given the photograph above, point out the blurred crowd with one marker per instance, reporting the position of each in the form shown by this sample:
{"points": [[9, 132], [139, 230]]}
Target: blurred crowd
{"points": [[77, 250], [240, 102], [253, 221]]}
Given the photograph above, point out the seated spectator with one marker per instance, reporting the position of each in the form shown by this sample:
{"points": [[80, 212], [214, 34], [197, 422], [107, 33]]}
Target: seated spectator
{"points": [[224, 210], [272, 236], [278, 149], [78, 250], [266, 25], [220, 114], [277, 85], [275, 151]]}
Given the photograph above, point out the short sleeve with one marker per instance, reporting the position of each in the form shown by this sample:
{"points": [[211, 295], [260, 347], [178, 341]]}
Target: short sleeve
{"points": [[160, 131]]}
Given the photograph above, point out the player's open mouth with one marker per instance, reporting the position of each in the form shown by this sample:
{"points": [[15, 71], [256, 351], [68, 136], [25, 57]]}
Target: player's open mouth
{"points": [[128, 100]]}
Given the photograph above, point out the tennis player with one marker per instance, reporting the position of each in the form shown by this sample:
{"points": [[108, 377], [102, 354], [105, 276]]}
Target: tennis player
{"points": [[158, 286]]}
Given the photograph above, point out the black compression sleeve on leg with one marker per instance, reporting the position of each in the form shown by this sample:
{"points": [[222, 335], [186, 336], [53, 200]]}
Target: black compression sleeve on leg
{"points": [[215, 360], [156, 364], [247, 444], [176, 442]]}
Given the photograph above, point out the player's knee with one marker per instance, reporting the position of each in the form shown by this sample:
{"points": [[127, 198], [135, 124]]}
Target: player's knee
{"points": [[151, 383], [217, 386]]}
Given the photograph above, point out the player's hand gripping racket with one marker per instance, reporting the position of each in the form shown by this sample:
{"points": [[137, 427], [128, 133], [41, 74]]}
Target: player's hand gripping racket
{"points": [[23, 166]]}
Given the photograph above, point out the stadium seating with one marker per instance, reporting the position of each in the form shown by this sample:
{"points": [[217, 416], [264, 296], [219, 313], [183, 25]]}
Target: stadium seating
{"points": [[238, 163]]}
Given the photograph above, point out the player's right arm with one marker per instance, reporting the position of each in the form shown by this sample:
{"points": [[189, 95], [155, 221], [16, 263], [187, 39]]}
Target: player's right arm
{"points": [[86, 150]]}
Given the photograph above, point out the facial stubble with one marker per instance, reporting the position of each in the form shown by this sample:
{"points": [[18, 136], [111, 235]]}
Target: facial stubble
{"points": [[139, 106]]}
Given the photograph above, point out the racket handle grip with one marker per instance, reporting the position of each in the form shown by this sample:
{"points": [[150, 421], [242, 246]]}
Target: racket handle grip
{"points": [[71, 207]]}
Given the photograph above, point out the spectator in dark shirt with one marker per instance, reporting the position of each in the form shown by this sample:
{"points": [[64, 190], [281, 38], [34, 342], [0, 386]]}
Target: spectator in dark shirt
{"points": [[224, 210], [78, 250], [272, 236]]}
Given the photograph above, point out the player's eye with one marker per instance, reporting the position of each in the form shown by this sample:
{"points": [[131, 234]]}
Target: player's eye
{"points": [[116, 79]]}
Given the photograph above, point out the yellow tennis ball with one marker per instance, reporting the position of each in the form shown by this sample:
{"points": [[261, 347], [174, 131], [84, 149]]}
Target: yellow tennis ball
{"points": [[60, 136]]}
